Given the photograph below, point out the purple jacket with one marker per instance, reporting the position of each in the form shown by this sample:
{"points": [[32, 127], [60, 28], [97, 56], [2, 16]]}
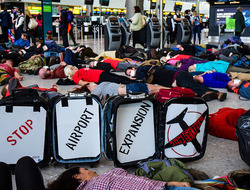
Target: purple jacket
{"points": [[188, 62]]}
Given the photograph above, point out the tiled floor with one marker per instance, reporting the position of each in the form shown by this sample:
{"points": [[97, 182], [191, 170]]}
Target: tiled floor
{"points": [[221, 157]]}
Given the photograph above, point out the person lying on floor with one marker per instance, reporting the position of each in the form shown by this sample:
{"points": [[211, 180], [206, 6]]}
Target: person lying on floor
{"points": [[113, 89], [111, 64], [28, 176], [171, 78], [54, 71], [86, 75], [72, 56], [7, 71], [213, 79], [33, 50], [14, 83]]}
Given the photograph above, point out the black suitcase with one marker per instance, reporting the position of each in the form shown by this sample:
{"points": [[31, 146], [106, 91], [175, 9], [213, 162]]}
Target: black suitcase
{"points": [[25, 127], [131, 129], [139, 128]]}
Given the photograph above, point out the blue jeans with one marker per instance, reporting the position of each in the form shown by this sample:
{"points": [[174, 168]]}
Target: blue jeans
{"points": [[178, 188], [137, 87], [197, 30]]}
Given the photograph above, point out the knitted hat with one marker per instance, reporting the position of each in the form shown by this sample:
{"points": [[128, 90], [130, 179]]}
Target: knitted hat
{"points": [[49, 33]]}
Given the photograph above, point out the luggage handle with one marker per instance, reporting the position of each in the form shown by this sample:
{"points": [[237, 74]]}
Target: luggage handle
{"points": [[136, 96], [81, 94]]}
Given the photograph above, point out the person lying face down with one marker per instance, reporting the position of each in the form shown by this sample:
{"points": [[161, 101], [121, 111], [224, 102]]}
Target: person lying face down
{"points": [[85, 75], [112, 89], [115, 179]]}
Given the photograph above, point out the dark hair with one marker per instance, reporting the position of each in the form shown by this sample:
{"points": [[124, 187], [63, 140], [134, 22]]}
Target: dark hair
{"points": [[127, 69], [82, 89], [211, 57], [65, 181], [24, 34], [186, 11], [229, 88], [137, 9], [100, 59]]}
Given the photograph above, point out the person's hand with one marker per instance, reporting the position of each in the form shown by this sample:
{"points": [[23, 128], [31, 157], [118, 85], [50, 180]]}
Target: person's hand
{"points": [[19, 77], [63, 63], [179, 184]]}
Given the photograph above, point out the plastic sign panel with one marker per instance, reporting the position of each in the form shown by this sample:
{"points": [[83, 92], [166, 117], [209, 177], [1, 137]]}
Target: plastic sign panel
{"points": [[22, 134], [184, 130], [135, 133], [78, 129]]}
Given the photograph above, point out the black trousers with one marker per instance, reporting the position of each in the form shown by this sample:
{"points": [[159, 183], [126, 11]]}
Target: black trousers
{"points": [[72, 35], [238, 34], [137, 38], [64, 36], [28, 175], [111, 77], [5, 34], [185, 79]]}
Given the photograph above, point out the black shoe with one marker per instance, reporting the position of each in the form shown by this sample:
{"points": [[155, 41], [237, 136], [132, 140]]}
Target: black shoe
{"points": [[76, 44], [210, 95], [221, 96]]}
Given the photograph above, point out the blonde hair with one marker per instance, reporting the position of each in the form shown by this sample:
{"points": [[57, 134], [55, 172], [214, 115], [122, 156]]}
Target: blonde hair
{"points": [[68, 72], [239, 8], [27, 13], [195, 13]]}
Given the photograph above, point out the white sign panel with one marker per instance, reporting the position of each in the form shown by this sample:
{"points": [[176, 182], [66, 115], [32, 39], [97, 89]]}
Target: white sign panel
{"points": [[78, 129], [22, 134], [135, 132], [184, 130]]}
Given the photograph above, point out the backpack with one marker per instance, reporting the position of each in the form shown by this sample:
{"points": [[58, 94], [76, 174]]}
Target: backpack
{"points": [[70, 16], [244, 89], [243, 133], [164, 170], [165, 94], [129, 52]]}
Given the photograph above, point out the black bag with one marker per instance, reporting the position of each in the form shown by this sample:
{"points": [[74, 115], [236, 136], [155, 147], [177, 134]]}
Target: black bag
{"points": [[243, 133]]}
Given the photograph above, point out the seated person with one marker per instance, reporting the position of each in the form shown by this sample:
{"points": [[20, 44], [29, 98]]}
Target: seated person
{"points": [[28, 176], [7, 71], [22, 42], [54, 71], [213, 79], [113, 89], [51, 44], [85, 75], [108, 64], [171, 78]]}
